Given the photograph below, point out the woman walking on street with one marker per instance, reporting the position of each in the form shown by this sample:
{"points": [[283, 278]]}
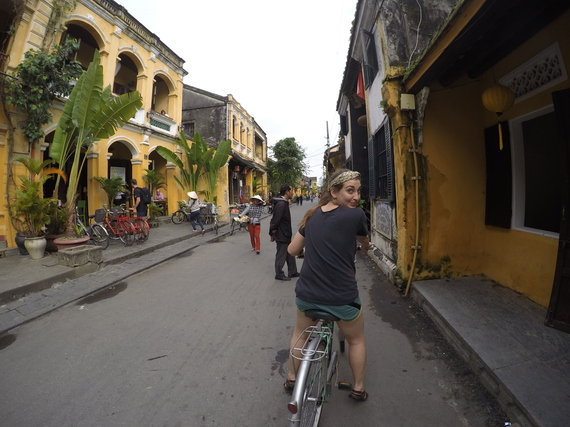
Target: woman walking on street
{"points": [[328, 233], [194, 205], [254, 212]]}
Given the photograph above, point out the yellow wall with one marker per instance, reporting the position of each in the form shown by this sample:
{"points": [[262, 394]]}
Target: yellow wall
{"points": [[138, 135], [453, 200]]}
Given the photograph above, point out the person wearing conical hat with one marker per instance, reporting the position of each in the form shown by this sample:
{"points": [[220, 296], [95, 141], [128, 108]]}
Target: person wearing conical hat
{"points": [[194, 205], [254, 211]]}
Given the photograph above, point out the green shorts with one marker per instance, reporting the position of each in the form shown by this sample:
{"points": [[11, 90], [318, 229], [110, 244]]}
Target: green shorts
{"points": [[346, 313]]}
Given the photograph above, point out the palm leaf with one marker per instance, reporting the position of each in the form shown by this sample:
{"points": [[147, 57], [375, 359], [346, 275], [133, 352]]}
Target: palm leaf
{"points": [[114, 113]]}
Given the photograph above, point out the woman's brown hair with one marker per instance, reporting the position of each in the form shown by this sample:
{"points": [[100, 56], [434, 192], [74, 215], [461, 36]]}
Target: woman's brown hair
{"points": [[326, 195]]}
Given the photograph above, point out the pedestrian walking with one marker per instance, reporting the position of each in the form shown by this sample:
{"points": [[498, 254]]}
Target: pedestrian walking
{"points": [[281, 232], [194, 205], [328, 235], [254, 211]]}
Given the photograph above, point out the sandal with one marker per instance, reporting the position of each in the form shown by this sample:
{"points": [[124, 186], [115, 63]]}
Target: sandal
{"points": [[289, 385], [359, 396]]}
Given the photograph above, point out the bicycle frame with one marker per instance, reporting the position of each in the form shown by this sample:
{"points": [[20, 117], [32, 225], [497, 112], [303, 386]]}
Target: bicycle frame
{"points": [[324, 360]]}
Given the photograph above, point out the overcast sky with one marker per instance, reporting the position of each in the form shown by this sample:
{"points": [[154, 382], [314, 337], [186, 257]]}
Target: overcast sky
{"points": [[282, 61]]}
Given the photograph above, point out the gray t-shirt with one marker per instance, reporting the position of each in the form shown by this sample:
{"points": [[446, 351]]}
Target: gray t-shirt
{"points": [[328, 272]]}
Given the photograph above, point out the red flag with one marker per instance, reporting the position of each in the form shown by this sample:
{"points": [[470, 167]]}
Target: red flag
{"points": [[360, 85]]}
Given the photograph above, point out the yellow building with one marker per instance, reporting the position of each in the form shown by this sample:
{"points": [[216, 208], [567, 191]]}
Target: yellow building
{"points": [[217, 118], [132, 58], [446, 199]]}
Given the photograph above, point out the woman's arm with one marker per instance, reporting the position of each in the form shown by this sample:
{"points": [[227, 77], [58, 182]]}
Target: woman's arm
{"points": [[365, 244], [297, 245]]}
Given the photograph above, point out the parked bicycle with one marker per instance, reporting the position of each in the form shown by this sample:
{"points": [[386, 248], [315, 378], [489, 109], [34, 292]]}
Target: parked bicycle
{"points": [[209, 214], [119, 226], [96, 232], [318, 365]]}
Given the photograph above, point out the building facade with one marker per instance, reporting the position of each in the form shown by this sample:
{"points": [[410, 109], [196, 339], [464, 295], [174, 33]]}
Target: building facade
{"points": [[132, 57], [447, 197], [217, 118]]}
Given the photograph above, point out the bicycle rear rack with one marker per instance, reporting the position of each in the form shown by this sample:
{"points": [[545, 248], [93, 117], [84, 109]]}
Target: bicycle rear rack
{"points": [[303, 345]]}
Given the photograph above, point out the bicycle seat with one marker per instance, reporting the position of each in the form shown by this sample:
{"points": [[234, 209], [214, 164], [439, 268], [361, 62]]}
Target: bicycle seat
{"points": [[321, 314]]}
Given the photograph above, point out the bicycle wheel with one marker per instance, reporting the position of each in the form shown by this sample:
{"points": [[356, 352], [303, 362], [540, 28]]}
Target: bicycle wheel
{"points": [[142, 230], [314, 391], [100, 236], [126, 232], [178, 217], [216, 225], [233, 226]]}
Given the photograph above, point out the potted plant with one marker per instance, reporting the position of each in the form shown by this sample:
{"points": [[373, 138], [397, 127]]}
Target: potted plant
{"points": [[111, 186], [56, 226], [29, 210]]}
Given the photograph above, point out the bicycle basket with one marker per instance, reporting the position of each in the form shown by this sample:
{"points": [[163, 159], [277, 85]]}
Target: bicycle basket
{"points": [[99, 215]]}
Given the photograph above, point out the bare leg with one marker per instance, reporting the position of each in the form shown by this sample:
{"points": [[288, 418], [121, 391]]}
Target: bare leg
{"points": [[302, 322], [354, 334]]}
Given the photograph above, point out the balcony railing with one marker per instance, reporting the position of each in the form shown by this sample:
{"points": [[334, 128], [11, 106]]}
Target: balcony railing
{"points": [[161, 122]]}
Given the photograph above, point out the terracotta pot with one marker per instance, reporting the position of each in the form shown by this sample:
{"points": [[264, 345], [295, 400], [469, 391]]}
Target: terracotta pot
{"points": [[36, 247], [63, 244]]}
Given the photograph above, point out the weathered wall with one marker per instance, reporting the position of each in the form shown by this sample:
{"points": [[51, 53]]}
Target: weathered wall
{"points": [[454, 237], [401, 19]]}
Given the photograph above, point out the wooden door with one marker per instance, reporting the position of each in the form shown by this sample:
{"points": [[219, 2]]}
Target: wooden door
{"points": [[558, 315]]}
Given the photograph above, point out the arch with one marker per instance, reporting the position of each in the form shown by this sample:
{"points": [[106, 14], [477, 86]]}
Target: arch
{"points": [[89, 36], [127, 142], [135, 56], [167, 80], [127, 70], [89, 26]]}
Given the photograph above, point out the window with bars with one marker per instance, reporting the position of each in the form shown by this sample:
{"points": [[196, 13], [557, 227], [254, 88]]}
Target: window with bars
{"points": [[381, 164]]}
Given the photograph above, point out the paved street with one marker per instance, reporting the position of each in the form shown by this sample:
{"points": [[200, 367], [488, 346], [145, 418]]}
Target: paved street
{"points": [[201, 340]]}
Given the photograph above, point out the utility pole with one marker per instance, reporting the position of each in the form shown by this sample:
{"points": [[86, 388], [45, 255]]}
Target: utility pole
{"points": [[325, 166]]}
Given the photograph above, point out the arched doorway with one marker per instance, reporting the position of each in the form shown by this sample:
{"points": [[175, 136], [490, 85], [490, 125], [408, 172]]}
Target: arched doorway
{"points": [[119, 163]]}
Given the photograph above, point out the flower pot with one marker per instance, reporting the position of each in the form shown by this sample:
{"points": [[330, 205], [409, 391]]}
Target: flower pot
{"points": [[20, 244], [36, 247], [51, 246], [63, 243]]}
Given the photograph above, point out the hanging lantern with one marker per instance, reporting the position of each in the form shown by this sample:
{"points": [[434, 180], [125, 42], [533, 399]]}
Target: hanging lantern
{"points": [[498, 99], [362, 120]]}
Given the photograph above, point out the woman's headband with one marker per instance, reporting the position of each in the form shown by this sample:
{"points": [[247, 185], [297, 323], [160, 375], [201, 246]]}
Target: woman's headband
{"points": [[343, 177]]}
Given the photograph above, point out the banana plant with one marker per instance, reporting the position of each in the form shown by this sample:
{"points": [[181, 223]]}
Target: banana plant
{"points": [[193, 163], [91, 113], [215, 164]]}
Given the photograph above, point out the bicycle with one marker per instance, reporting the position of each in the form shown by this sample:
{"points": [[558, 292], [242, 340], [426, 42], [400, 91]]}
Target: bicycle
{"points": [[142, 229], [209, 215], [236, 222], [118, 226], [313, 385], [96, 232]]}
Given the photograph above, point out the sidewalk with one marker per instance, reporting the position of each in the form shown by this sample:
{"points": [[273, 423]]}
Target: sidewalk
{"points": [[31, 288], [501, 334]]}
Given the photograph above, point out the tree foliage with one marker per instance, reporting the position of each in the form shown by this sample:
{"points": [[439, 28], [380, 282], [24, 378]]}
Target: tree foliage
{"points": [[288, 166], [40, 78], [197, 159]]}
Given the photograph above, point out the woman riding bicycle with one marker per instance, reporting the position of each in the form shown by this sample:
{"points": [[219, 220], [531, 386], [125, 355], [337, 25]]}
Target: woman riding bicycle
{"points": [[328, 235]]}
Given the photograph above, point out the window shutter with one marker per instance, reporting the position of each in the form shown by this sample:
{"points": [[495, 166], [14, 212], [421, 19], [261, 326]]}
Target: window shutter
{"points": [[369, 55], [499, 186], [372, 167]]}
